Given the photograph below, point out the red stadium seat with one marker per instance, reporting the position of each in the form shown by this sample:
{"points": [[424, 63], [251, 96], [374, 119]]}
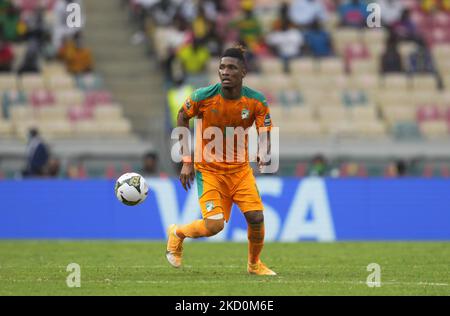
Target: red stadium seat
{"points": [[80, 113], [31, 5], [126, 167], [110, 172], [300, 170], [40, 98], [428, 171], [429, 113], [97, 97], [82, 172], [445, 171], [354, 51], [442, 19]]}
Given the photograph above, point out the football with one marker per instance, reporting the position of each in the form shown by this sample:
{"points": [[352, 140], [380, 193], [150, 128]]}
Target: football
{"points": [[131, 189]]}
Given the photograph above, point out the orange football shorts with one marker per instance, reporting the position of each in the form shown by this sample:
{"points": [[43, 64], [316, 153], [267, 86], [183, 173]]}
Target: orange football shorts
{"points": [[218, 192]]}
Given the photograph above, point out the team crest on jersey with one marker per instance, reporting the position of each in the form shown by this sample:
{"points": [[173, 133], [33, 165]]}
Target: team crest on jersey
{"points": [[244, 114], [209, 206], [188, 104]]}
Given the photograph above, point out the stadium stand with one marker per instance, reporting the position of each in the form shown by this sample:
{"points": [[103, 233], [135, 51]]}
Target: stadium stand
{"points": [[348, 87], [49, 98], [64, 97], [369, 104]]}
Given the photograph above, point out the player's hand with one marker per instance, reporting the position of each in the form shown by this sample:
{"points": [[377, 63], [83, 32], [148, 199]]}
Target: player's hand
{"points": [[187, 175], [262, 164]]}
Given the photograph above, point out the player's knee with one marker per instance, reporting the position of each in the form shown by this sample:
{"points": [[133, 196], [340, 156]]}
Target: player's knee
{"points": [[214, 226], [254, 217]]}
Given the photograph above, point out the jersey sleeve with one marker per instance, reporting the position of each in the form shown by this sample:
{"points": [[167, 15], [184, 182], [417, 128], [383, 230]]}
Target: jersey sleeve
{"points": [[191, 107], [263, 119]]}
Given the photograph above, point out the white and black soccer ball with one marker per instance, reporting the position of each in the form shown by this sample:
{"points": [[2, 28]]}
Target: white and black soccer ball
{"points": [[131, 189]]}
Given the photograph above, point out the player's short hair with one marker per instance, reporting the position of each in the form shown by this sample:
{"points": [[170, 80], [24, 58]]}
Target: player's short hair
{"points": [[237, 52]]}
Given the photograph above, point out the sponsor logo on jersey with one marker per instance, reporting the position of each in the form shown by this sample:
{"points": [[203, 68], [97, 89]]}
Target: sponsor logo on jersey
{"points": [[244, 114]]}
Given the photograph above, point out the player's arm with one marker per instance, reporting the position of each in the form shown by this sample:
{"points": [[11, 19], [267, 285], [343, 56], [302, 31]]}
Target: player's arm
{"points": [[264, 148], [185, 114], [263, 125]]}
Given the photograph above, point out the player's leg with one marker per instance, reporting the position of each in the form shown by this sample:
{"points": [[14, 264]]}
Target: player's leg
{"points": [[206, 227], [210, 197], [199, 228], [213, 212], [255, 234], [246, 196]]}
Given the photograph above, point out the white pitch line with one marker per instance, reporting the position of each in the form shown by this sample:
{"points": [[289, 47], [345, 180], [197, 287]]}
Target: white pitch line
{"points": [[267, 281], [271, 280]]}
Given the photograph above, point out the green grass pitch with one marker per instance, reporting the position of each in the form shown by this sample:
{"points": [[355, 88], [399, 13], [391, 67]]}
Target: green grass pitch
{"points": [[140, 268]]}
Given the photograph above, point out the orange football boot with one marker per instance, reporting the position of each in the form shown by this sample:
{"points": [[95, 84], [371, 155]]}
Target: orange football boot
{"points": [[259, 268], [174, 252]]}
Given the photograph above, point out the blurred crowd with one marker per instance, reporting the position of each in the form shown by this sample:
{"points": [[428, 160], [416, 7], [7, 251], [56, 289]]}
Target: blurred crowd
{"points": [[185, 35], [42, 27], [40, 162], [33, 33]]}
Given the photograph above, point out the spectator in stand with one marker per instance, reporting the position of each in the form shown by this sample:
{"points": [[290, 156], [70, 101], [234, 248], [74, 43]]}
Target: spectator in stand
{"points": [[10, 22], [391, 11], [177, 36], [421, 59], [150, 164], [286, 43], [75, 171], [353, 13], [176, 95], [30, 62], [6, 56], [37, 155], [204, 28], [318, 41], [303, 13], [141, 11], [60, 28], [397, 169], [319, 167], [191, 9], [429, 6], [405, 29], [194, 58], [36, 28], [421, 62], [283, 15], [248, 25], [391, 60], [163, 12], [53, 168], [77, 57], [445, 6], [253, 62]]}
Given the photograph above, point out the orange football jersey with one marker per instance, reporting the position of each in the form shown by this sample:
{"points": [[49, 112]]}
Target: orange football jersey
{"points": [[214, 114]]}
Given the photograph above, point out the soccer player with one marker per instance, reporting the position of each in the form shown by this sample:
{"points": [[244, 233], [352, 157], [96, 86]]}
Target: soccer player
{"points": [[222, 183]]}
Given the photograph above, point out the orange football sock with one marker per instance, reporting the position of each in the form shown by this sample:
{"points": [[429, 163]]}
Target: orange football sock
{"points": [[195, 229], [255, 233]]}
